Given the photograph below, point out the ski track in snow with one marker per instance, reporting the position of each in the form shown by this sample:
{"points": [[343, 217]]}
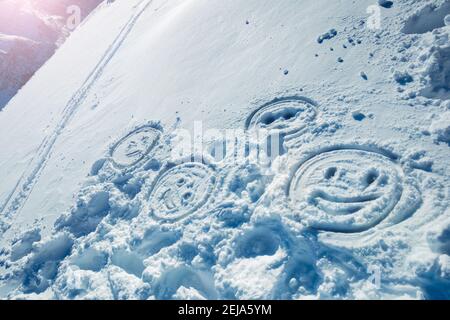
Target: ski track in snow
{"points": [[15, 202]]}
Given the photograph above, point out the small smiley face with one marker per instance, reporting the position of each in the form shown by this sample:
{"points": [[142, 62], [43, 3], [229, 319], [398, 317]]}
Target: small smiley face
{"points": [[135, 146], [346, 190], [181, 191]]}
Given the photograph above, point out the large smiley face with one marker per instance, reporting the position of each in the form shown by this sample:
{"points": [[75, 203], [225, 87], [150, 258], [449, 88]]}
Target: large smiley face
{"points": [[346, 190], [135, 146], [181, 191]]}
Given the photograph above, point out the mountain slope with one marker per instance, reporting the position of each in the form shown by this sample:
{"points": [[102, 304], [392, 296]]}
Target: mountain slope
{"points": [[30, 32]]}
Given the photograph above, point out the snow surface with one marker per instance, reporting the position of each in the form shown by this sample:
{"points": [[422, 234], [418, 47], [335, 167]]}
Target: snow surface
{"points": [[96, 205]]}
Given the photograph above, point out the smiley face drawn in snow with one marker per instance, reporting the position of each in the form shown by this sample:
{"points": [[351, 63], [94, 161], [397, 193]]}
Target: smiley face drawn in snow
{"points": [[135, 146], [181, 191], [347, 190], [287, 117]]}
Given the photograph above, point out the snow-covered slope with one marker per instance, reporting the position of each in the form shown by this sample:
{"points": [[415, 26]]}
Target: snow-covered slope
{"points": [[96, 203], [30, 31]]}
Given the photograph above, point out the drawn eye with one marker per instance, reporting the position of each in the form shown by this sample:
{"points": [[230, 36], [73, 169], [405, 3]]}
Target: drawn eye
{"points": [[371, 177], [330, 173], [181, 182], [132, 144], [268, 119], [187, 197], [289, 115]]}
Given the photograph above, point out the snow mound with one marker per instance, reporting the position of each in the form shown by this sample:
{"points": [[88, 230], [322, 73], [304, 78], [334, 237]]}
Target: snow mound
{"points": [[428, 18]]}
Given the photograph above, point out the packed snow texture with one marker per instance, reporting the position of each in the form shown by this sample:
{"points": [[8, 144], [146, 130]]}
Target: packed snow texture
{"points": [[97, 205], [30, 32]]}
